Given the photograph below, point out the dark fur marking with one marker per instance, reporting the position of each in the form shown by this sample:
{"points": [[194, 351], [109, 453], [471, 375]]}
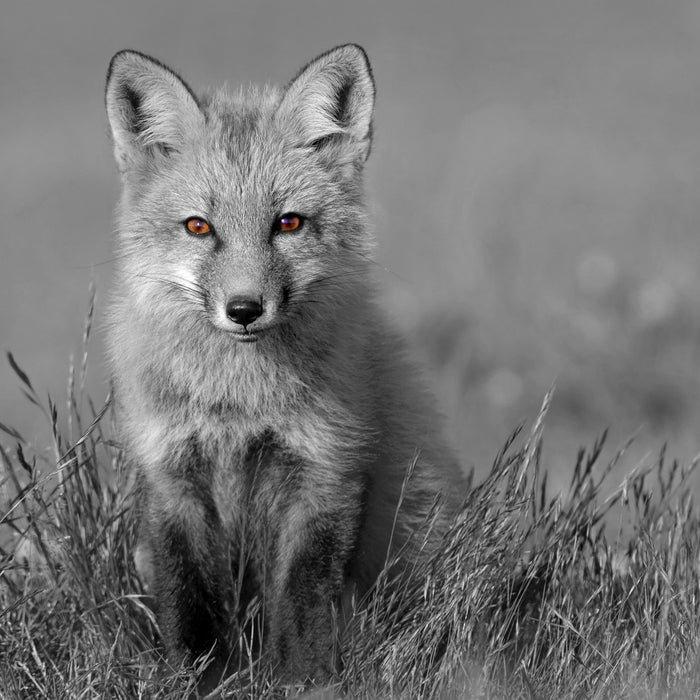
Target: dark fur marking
{"points": [[133, 112], [340, 108], [196, 470], [266, 449], [366, 481], [259, 447], [283, 649], [196, 600], [314, 568], [192, 589], [327, 140], [248, 588], [370, 140]]}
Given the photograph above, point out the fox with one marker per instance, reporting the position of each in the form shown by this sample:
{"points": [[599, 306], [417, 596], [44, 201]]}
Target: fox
{"points": [[267, 406]]}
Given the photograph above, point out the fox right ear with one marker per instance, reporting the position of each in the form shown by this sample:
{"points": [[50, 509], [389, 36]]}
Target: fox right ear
{"points": [[150, 108], [331, 101]]}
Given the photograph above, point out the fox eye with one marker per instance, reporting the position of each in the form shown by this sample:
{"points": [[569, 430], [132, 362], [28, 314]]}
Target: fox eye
{"points": [[197, 226], [289, 222]]}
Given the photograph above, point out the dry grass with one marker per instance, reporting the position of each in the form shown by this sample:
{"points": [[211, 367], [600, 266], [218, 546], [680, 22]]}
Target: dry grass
{"points": [[528, 597]]}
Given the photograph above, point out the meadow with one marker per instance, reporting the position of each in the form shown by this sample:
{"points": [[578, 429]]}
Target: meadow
{"points": [[589, 593]]}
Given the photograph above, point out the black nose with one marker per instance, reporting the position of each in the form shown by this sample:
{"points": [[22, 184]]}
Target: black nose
{"points": [[243, 310]]}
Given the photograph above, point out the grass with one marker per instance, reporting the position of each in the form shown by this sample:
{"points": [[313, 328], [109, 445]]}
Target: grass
{"points": [[590, 594]]}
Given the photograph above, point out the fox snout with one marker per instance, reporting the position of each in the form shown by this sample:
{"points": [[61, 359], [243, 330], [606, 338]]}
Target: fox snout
{"points": [[243, 310], [246, 289]]}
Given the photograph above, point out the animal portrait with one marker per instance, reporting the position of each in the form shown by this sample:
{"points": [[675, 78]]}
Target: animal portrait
{"points": [[269, 410], [350, 350]]}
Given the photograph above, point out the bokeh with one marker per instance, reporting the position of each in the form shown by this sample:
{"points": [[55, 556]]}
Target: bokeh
{"points": [[534, 185]]}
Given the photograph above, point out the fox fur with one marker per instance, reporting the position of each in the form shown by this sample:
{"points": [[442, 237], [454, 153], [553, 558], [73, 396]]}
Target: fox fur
{"points": [[270, 452]]}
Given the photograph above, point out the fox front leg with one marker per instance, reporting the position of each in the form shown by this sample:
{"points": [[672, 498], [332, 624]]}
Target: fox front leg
{"points": [[190, 582], [307, 593]]}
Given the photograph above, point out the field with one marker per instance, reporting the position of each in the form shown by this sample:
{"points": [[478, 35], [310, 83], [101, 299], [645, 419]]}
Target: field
{"points": [[529, 595]]}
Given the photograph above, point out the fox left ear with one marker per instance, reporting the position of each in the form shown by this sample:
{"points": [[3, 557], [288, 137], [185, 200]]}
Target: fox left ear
{"points": [[150, 109], [331, 102]]}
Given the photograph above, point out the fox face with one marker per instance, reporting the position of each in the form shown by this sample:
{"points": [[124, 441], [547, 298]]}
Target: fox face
{"points": [[241, 212]]}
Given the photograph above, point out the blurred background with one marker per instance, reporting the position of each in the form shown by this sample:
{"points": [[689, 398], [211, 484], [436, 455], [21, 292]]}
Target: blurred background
{"points": [[534, 182]]}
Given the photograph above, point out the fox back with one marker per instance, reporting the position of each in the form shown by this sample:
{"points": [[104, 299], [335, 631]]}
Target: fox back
{"points": [[268, 409]]}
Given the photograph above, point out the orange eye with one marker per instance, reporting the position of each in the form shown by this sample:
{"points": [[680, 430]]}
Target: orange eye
{"points": [[198, 227], [289, 222]]}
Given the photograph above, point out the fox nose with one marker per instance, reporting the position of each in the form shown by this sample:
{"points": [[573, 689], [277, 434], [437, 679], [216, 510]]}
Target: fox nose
{"points": [[243, 310]]}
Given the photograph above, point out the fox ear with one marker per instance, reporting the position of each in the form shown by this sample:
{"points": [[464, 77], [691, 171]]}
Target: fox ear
{"points": [[150, 108], [331, 102]]}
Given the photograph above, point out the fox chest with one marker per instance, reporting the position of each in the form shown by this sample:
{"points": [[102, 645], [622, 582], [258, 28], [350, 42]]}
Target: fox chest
{"points": [[253, 483]]}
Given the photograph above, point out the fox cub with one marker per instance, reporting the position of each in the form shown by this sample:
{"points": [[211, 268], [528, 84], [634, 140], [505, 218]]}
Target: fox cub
{"points": [[267, 407]]}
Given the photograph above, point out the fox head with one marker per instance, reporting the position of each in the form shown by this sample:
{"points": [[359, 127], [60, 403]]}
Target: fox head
{"points": [[242, 214]]}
